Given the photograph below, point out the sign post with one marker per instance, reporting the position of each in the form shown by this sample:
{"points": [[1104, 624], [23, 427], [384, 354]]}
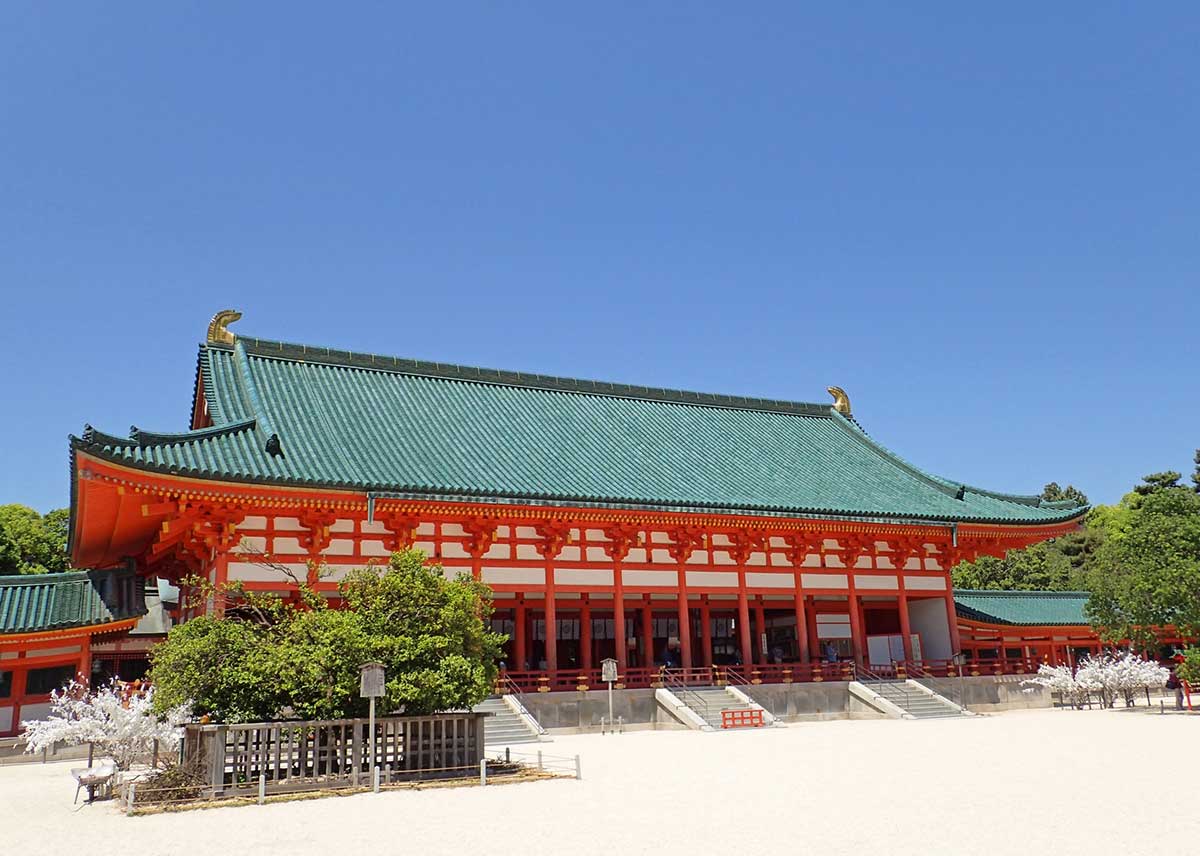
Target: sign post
{"points": [[608, 674], [372, 679]]}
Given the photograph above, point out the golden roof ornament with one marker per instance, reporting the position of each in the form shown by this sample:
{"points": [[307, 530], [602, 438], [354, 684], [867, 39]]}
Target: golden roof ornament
{"points": [[841, 401], [218, 327]]}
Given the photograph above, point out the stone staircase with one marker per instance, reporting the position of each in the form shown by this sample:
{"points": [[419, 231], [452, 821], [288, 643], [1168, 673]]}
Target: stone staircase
{"points": [[503, 726], [916, 702], [708, 702]]}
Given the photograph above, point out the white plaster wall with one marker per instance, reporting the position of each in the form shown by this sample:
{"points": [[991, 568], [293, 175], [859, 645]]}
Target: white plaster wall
{"points": [[650, 578], [928, 618], [875, 581], [826, 581], [6, 717], [583, 577], [925, 583], [515, 576], [759, 580], [712, 578]]}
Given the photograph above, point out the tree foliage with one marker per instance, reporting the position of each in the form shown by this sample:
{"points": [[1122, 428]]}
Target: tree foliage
{"points": [[1149, 577], [1058, 565], [32, 543], [1189, 669], [268, 658], [1053, 493]]}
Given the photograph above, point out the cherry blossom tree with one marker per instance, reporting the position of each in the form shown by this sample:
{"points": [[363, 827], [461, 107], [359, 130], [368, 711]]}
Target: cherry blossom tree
{"points": [[1107, 676], [122, 725]]}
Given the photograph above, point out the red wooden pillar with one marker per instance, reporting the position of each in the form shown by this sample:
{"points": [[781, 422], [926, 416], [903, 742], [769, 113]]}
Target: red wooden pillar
{"points": [[622, 649], [952, 619], [857, 640], [801, 625], [85, 663], [685, 629], [647, 634], [706, 631], [551, 622], [744, 627], [520, 658], [760, 627], [905, 627], [585, 636], [814, 644]]}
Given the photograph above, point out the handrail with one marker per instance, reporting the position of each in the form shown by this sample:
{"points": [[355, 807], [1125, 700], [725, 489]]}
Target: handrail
{"points": [[514, 690], [866, 675], [690, 697], [733, 676]]}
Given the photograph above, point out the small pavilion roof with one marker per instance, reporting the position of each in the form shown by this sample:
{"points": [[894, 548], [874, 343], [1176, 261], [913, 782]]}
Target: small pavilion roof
{"points": [[1021, 607], [31, 603], [305, 416]]}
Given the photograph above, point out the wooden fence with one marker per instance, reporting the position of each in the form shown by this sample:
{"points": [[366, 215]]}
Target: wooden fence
{"points": [[294, 756]]}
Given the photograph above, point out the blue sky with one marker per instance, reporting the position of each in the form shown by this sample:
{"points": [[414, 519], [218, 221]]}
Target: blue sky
{"points": [[983, 226]]}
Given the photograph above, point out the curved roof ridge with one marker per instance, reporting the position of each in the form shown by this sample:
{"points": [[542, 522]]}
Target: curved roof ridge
{"points": [[1040, 593], [269, 349], [138, 437]]}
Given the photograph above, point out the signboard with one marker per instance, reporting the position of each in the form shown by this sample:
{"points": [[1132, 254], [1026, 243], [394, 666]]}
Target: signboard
{"points": [[766, 652], [608, 670], [371, 680]]}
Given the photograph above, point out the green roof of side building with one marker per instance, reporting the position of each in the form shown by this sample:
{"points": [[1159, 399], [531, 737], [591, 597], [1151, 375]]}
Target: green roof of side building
{"points": [[312, 417], [33, 603], [1021, 607]]}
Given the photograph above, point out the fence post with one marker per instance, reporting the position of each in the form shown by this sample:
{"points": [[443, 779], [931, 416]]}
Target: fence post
{"points": [[578, 769], [540, 759], [375, 785], [262, 788], [483, 772], [130, 798]]}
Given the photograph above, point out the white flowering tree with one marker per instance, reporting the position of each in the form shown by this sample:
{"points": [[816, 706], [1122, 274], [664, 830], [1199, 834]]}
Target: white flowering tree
{"points": [[121, 725], [1106, 676]]}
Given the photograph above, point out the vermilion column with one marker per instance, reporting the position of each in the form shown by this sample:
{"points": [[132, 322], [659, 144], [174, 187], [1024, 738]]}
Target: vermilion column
{"points": [[857, 640], [521, 660], [905, 629], [952, 620], [760, 626], [744, 627], [647, 634], [706, 631], [551, 622], [814, 644], [801, 626], [619, 620], [685, 630], [585, 636]]}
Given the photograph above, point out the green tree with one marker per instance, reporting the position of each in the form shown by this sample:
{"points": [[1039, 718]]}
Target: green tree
{"points": [[40, 541], [1155, 482], [1196, 472], [1189, 669], [1150, 576], [303, 660], [222, 666], [1053, 493]]}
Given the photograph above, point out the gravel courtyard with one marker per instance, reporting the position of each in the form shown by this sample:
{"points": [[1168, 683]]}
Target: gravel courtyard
{"points": [[1025, 783]]}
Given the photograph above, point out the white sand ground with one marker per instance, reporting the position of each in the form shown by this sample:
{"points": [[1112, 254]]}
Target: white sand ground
{"points": [[1030, 782]]}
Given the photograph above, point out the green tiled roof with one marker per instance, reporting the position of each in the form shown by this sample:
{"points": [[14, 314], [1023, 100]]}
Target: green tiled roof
{"points": [[298, 415], [31, 603], [1021, 607]]}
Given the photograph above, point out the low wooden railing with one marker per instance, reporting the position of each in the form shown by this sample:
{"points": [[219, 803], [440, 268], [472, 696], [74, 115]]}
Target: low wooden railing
{"points": [[637, 677], [290, 756]]}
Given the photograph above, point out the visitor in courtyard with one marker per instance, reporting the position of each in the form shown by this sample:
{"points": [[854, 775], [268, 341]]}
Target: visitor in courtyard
{"points": [[831, 655]]}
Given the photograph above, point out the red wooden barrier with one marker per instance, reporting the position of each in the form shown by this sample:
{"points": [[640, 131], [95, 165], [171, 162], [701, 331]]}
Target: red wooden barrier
{"points": [[749, 718]]}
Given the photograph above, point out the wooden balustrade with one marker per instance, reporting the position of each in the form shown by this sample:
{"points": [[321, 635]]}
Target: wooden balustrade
{"points": [[299, 755]]}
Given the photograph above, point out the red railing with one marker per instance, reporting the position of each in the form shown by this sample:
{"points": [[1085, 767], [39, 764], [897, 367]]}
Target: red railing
{"points": [[638, 677]]}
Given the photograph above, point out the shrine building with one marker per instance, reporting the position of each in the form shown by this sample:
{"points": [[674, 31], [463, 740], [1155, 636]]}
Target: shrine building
{"points": [[653, 526]]}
